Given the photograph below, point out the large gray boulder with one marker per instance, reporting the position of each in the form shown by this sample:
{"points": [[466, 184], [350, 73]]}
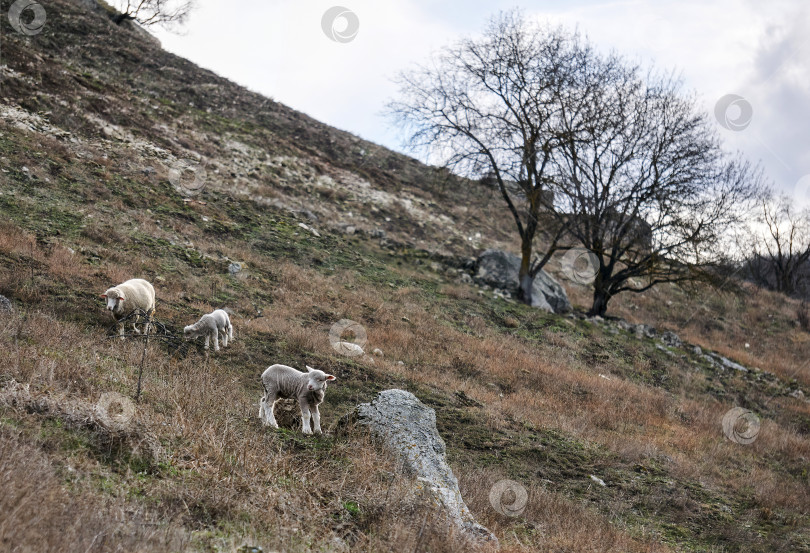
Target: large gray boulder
{"points": [[407, 428], [500, 269]]}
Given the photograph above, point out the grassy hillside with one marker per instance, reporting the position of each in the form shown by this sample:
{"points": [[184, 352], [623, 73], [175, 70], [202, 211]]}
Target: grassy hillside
{"points": [[93, 117]]}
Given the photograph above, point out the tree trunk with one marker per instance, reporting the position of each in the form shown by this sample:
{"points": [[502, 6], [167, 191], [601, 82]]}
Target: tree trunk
{"points": [[600, 301], [524, 276]]}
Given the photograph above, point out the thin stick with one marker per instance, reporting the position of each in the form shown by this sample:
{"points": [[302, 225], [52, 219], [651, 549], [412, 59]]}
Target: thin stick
{"points": [[143, 360]]}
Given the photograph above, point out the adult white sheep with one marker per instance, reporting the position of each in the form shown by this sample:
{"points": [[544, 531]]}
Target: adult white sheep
{"points": [[212, 325], [126, 298], [281, 381]]}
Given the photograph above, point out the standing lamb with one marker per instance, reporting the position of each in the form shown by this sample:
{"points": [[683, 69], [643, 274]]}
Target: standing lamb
{"points": [[212, 325], [126, 298], [281, 381]]}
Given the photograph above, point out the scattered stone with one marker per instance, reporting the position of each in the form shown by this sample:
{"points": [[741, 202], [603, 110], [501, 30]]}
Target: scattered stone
{"points": [[697, 350], [306, 213], [235, 268], [310, 229], [798, 394], [350, 230], [378, 352], [377, 233], [400, 363], [643, 330], [348, 348], [5, 305], [664, 349], [624, 325], [407, 428], [598, 480], [728, 363], [671, 339]]}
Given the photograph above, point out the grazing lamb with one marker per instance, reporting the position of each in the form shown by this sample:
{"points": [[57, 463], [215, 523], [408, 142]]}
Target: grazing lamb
{"points": [[212, 325], [126, 298], [281, 381]]}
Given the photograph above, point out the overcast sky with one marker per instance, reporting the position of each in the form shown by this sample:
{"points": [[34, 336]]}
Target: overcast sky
{"points": [[757, 51]]}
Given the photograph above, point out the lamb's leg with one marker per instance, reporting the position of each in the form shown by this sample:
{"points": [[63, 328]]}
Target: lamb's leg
{"points": [[224, 338], [207, 338], [316, 420], [305, 428], [269, 417], [216, 340], [230, 332]]}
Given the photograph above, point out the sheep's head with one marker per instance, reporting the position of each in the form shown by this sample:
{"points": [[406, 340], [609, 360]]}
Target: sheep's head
{"points": [[114, 298], [317, 379]]}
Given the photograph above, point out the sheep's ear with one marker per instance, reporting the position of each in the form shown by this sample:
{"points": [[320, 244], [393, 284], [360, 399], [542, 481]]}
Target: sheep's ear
{"points": [[103, 295], [330, 377], [120, 298]]}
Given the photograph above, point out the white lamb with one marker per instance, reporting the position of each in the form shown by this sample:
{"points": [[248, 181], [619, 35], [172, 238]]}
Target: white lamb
{"points": [[212, 325], [281, 381], [127, 297]]}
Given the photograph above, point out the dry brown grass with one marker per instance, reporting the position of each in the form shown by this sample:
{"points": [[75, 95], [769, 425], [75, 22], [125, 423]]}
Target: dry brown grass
{"points": [[221, 454]]}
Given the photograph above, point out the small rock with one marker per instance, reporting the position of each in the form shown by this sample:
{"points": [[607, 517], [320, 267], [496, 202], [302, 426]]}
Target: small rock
{"points": [[671, 339], [697, 350], [6, 305], [798, 394], [348, 348], [310, 229], [378, 352], [643, 330], [400, 363], [465, 278], [377, 233], [350, 230], [598, 480], [235, 268]]}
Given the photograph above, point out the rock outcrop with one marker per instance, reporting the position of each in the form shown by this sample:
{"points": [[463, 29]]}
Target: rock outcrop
{"points": [[500, 270], [407, 427]]}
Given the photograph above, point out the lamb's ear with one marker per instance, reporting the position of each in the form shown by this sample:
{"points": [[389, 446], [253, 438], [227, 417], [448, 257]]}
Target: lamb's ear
{"points": [[309, 369], [330, 377], [103, 295]]}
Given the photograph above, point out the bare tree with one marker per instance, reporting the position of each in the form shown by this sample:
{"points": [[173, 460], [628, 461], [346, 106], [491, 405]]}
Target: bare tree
{"points": [[153, 12], [644, 183], [778, 246], [490, 107], [636, 170]]}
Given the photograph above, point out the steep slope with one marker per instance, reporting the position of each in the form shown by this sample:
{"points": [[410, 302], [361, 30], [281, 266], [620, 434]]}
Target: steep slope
{"points": [[93, 120]]}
